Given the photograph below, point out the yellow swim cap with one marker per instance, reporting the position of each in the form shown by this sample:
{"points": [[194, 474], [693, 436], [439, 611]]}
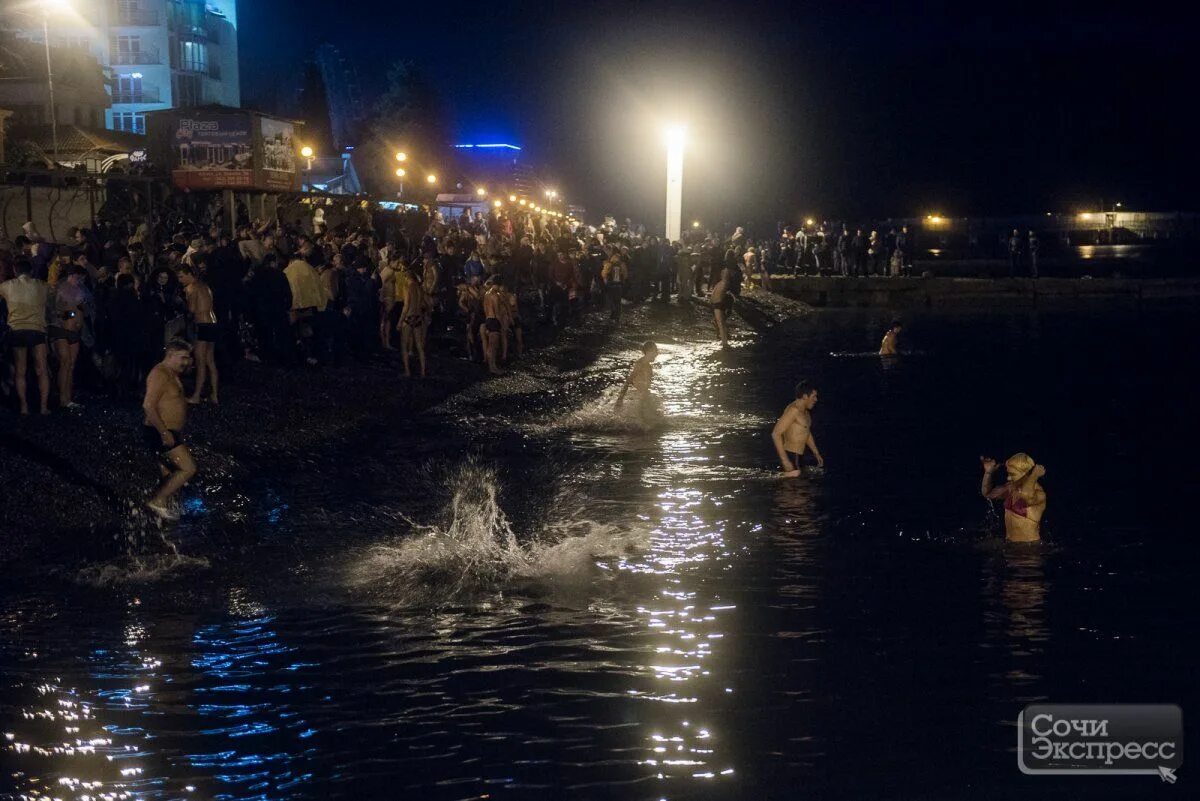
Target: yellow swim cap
{"points": [[1018, 465]]}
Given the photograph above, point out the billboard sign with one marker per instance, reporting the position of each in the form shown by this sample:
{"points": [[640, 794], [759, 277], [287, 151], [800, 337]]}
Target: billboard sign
{"points": [[278, 153], [213, 150]]}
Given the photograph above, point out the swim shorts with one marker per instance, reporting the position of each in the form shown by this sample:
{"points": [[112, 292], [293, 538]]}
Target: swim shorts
{"points": [[56, 332], [153, 440], [26, 339]]}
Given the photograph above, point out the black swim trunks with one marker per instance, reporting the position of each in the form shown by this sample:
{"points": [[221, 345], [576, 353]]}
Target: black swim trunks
{"points": [[725, 304], [493, 325], [26, 339], [57, 332], [802, 461], [153, 440], [207, 332]]}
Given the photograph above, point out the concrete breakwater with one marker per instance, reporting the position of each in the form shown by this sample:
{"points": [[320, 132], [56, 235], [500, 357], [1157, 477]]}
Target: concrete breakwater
{"points": [[908, 293]]}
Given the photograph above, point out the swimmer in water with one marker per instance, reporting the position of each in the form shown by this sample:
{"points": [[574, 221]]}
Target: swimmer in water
{"points": [[888, 346], [639, 378], [1024, 498], [792, 434]]}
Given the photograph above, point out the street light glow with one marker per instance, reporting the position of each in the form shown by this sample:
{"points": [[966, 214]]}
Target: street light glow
{"points": [[431, 178], [400, 172], [512, 198], [481, 191], [497, 203], [695, 223], [676, 135], [401, 156], [522, 201], [306, 152], [810, 222]]}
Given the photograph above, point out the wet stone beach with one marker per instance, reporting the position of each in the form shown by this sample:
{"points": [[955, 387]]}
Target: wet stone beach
{"points": [[464, 588]]}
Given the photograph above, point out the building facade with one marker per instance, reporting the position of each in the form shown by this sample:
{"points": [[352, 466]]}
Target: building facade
{"points": [[343, 95], [158, 54]]}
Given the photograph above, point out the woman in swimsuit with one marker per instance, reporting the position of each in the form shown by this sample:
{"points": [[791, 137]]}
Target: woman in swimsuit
{"points": [[1024, 498], [71, 300], [414, 320]]}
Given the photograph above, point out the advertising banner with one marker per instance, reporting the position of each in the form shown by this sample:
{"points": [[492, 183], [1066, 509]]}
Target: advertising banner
{"points": [[278, 153], [213, 150]]}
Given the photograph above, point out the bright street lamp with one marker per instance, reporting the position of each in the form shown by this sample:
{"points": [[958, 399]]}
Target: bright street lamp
{"points": [[676, 136], [401, 156], [523, 201], [512, 198], [481, 191], [497, 203], [431, 178], [400, 173], [695, 223]]}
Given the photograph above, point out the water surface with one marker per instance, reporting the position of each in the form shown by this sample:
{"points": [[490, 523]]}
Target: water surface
{"points": [[522, 594]]}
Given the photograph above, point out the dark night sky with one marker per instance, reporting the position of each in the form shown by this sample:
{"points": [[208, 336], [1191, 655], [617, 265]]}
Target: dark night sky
{"points": [[838, 108]]}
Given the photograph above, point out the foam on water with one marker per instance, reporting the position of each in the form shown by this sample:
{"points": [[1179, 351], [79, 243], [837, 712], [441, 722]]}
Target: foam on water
{"points": [[473, 551], [142, 569], [149, 554]]}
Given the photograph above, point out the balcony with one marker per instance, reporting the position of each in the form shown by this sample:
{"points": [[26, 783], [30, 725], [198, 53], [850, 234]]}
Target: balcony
{"points": [[134, 58], [149, 94], [138, 17]]}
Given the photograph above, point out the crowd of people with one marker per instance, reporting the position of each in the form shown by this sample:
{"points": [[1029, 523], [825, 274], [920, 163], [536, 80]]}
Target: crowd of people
{"points": [[127, 305], [836, 249]]}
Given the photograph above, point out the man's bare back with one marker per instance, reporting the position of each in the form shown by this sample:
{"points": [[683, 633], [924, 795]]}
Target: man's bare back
{"points": [[200, 302]]}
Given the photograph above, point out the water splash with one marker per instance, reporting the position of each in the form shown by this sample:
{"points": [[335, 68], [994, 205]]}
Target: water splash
{"points": [[149, 554], [473, 551]]}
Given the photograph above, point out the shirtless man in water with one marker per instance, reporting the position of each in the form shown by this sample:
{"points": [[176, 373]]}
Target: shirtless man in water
{"points": [[792, 434], [639, 378], [1024, 499], [162, 430], [888, 346]]}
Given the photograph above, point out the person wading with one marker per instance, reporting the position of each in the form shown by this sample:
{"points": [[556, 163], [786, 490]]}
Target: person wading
{"points": [[162, 429]]}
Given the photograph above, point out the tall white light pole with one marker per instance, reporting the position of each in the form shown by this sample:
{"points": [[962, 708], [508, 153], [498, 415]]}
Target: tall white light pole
{"points": [[675, 139], [47, 5]]}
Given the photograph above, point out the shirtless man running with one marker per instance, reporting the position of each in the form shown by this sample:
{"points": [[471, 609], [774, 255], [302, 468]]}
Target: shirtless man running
{"points": [[639, 378], [200, 307], [792, 434], [162, 430]]}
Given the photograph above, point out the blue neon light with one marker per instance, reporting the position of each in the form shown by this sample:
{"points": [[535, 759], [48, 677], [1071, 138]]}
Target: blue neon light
{"points": [[510, 147]]}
